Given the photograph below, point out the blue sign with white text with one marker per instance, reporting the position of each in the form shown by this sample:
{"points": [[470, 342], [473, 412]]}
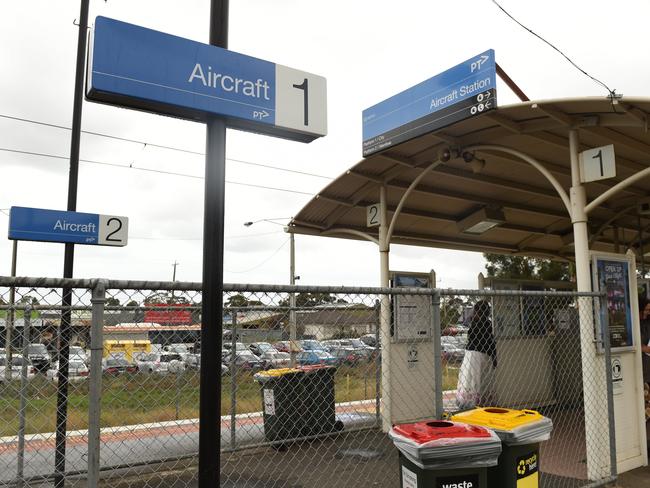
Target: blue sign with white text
{"points": [[35, 224], [150, 70], [463, 91], [38, 224]]}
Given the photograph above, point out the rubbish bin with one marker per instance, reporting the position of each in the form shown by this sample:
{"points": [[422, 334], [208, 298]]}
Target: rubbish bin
{"points": [[319, 414], [521, 432], [282, 397], [440, 453]]}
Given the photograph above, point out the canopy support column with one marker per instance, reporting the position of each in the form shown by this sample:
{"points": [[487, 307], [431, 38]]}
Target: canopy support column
{"points": [[384, 317], [594, 385]]}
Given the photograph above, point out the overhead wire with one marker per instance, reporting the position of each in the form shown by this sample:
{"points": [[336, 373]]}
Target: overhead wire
{"points": [[612, 93], [263, 262], [163, 146], [150, 170]]}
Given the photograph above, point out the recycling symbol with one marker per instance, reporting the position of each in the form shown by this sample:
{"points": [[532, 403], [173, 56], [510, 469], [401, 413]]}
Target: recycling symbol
{"points": [[521, 469]]}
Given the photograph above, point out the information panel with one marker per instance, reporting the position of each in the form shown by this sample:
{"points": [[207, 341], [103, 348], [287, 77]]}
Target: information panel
{"points": [[612, 275], [145, 69], [38, 224], [463, 91]]}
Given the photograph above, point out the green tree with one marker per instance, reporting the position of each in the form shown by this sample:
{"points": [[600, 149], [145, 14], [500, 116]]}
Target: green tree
{"points": [[240, 300], [28, 299], [112, 302], [306, 299], [526, 268], [132, 303]]}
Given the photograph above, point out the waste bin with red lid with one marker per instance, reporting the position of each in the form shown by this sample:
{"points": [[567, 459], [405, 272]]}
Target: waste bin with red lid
{"points": [[440, 454]]}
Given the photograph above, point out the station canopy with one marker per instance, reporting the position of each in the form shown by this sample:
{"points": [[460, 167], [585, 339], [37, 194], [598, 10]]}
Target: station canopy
{"points": [[528, 215]]}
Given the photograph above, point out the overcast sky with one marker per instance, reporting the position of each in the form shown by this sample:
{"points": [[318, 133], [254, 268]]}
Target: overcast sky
{"points": [[367, 49]]}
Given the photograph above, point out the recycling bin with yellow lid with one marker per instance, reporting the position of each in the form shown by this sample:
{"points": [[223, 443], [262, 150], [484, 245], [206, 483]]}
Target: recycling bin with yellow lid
{"points": [[521, 432], [283, 403]]}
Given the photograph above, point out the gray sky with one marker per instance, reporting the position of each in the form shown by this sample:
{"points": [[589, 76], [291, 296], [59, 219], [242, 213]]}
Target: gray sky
{"points": [[367, 49]]}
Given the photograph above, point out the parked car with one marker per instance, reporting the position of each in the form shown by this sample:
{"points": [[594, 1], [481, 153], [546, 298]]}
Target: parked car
{"points": [[244, 360], [311, 345], [370, 340], [181, 349], [193, 361], [273, 360], [117, 365], [282, 346], [259, 348], [452, 352], [16, 368], [307, 358], [346, 355], [77, 370], [240, 346], [39, 357], [78, 353], [166, 362]]}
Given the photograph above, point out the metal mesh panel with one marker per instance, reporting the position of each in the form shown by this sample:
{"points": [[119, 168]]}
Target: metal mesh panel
{"points": [[323, 422]]}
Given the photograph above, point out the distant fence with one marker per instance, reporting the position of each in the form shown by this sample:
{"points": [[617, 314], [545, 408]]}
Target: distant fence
{"points": [[125, 419]]}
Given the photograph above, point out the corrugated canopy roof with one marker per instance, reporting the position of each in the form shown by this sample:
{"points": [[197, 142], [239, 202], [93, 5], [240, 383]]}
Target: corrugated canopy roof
{"points": [[536, 220]]}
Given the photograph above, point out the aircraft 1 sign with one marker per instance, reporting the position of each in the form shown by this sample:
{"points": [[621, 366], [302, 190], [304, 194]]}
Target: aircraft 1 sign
{"points": [[463, 91], [145, 69], [37, 224]]}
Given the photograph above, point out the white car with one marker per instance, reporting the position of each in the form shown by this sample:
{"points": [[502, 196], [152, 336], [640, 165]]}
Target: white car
{"points": [[180, 349], [162, 363], [79, 354], [77, 370], [16, 368]]}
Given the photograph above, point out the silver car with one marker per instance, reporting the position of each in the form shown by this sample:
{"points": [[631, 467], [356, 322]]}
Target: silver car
{"points": [[16, 368], [77, 370], [162, 363]]}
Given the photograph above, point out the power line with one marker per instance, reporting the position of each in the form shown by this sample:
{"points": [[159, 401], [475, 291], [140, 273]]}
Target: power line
{"points": [[149, 170], [162, 146], [263, 262], [612, 93]]}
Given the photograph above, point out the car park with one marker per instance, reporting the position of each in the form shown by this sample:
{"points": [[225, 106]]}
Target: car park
{"points": [[452, 351], [163, 363], [16, 368], [193, 361], [311, 345], [77, 371], [240, 346], [39, 357], [78, 353], [259, 348], [282, 346], [274, 360], [345, 355], [370, 340], [309, 358], [181, 349], [245, 360], [117, 365]]}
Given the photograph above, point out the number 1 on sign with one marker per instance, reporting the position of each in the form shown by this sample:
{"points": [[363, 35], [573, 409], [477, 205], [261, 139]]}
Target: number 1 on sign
{"points": [[599, 156], [304, 86]]}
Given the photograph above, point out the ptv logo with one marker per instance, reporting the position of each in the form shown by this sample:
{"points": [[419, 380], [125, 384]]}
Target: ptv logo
{"points": [[476, 65]]}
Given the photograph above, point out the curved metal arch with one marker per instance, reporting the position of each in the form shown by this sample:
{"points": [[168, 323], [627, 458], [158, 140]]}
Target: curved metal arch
{"points": [[621, 185], [533, 162], [406, 194], [358, 233]]}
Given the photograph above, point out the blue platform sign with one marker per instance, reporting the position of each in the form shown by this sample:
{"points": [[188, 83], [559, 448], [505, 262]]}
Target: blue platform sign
{"points": [[149, 70], [463, 91], [37, 224]]}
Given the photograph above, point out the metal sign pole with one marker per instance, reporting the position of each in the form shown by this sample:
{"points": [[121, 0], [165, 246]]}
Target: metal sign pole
{"points": [[212, 301], [65, 327], [11, 313]]}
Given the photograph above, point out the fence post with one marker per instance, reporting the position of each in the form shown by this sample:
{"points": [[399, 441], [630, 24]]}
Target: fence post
{"points": [[27, 319], [378, 365], [604, 319], [95, 378], [437, 354], [233, 382]]}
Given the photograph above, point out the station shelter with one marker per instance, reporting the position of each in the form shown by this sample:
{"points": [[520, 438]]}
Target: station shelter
{"points": [[511, 181]]}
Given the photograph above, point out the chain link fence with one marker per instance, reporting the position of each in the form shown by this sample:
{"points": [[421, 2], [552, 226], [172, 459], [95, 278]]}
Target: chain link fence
{"points": [[361, 360]]}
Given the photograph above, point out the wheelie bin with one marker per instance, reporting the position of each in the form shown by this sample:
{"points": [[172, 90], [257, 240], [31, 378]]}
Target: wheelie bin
{"points": [[440, 453], [283, 400], [521, 432], [319, 414]]}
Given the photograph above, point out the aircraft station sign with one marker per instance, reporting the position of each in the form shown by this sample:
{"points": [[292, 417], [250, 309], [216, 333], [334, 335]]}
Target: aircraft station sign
{"points": [[463, 91], [144, 69], [37, 224]]}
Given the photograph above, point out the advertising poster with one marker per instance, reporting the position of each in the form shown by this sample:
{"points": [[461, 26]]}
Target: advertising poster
{"points": [[614, 279]]}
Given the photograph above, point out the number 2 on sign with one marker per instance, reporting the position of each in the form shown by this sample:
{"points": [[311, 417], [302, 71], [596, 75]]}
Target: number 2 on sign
{"points": [[304, 86]]}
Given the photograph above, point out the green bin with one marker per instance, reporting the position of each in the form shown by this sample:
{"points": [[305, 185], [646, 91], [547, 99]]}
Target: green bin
{"points": [[282, 399], [319, 414]]}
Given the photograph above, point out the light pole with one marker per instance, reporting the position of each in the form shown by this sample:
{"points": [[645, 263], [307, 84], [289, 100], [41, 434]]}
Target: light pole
{"points": [[292, 281]]}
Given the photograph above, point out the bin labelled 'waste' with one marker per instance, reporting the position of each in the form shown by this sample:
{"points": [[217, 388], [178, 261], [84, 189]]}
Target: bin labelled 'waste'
{"points": [[521, 432], [437, 454], [319, 400]]}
